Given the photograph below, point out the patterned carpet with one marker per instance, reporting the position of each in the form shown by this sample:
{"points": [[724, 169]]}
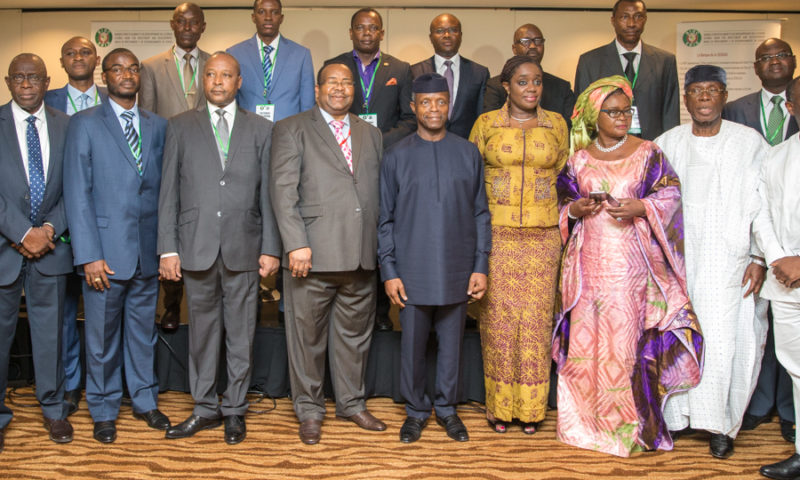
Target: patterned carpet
{"points": [[272, 450]]}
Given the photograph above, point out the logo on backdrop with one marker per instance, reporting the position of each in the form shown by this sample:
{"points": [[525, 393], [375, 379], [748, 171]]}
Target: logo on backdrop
{"points": [[692, 38], [103, 37]]}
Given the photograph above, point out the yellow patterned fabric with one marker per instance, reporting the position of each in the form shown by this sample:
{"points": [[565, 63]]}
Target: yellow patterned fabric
{"points": [[516, 321], [521, 167]]}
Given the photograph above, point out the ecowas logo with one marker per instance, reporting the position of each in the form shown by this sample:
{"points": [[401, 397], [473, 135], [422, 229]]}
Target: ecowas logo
{"points": [[692, 38], [103, 37]]}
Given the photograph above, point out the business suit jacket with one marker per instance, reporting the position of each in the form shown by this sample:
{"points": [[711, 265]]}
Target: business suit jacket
{"points": [[557, 96], [292, 87], [57, 97], [318, 203], [161, 90], [194, 188], [15, 203], [656, 93], [469, 98], [112, 211], [747, 111], [390, 97]]}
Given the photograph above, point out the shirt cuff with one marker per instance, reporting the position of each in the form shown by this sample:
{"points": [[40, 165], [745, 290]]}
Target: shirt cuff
{"points": [[24, 236], [169, 254]]}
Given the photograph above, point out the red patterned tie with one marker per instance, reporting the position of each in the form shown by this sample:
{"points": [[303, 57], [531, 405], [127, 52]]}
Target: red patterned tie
{"points": [[338, 127]]}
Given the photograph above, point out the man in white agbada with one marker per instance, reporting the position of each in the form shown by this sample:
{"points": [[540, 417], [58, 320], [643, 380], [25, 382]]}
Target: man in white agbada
{"points": [[781, 244], [718, 163]]}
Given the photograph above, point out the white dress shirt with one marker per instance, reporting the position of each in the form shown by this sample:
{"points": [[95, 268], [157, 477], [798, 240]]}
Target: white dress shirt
{"points": [[345, 128], [766, 101], [75, 95], [21, 124], [624, 61], [439, 66], [118, 110]]}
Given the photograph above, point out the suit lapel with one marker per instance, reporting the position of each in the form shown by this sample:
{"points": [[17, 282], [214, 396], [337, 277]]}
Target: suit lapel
{"points": [[381, 77], [647, 67], [464, 80], [281, 58], [112, 125], [324, 131], [356, 137], [9, 135], [174, 79], [236, 136], [612, 58], [146, 135], [753, 112], [55, 138]]}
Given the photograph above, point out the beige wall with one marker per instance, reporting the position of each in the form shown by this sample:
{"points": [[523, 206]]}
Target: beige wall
{"points": [[487, 33]]}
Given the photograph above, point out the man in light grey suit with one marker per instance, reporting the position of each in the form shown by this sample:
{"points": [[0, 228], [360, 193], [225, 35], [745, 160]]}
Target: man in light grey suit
{"points": [[172, 83], [652, 72], [324, 187], [217, 231]]}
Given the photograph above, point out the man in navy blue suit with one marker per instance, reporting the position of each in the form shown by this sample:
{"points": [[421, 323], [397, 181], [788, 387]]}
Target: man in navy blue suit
{"points": [[277, 74], [765, 111], [465, 78], [112, 168], [31, 221], [79, 59]]}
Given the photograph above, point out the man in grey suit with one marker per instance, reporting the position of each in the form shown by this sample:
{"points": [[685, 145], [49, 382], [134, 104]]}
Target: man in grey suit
{"points": [[324, 187], [217, 231], [652, 72], [31, 219], [171, 84]]}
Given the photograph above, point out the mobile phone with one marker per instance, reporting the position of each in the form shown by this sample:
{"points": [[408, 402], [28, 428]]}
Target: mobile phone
{"points": [[598, 196], [611, 200]]}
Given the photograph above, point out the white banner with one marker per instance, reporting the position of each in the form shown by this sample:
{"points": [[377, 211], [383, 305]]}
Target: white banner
{"points": [[727, 44], [144, 39]]}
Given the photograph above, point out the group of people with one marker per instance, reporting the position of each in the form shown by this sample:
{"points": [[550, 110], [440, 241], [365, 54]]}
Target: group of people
{"points": [[592, 228]]}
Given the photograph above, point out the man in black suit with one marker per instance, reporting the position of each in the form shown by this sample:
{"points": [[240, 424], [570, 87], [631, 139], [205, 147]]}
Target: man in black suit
{"points": [[652, 72], [765, 111], [465, 78], [557, 95]]}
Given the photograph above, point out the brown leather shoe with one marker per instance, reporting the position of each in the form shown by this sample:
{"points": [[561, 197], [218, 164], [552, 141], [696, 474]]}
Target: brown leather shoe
{"points": [[60, 430], [171, 320], [365, 420], [310, 431]]}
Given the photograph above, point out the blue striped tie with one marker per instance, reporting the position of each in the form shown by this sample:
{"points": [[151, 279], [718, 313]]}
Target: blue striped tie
{"points": [[35, 167], [133, 138], [267, 66]]}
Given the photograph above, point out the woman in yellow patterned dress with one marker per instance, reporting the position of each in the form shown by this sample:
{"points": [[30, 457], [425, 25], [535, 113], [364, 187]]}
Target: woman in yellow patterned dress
{"points": [[524, 148]]}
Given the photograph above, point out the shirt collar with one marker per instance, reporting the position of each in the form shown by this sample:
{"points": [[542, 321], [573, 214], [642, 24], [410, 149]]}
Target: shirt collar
{"points": [[75, 93], [118, 108], [274, 42], [439, 60], [179, 52], [621, 49], [766, 97], [329, 118], [21, 115], [365, 65], [230, 109]]}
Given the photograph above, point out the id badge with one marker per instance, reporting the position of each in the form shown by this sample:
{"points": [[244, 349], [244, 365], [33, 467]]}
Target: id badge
{"points": [[267, 111], [636, 127], [371, 118]]}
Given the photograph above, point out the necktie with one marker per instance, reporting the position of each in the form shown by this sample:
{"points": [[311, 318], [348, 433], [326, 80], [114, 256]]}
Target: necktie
{"points": [[338, 127], [267, 66], [448, 75], [35, 167], [775, 121], [224, 134], [188, 75], [83, 102], [133, 139], [630, 72]]}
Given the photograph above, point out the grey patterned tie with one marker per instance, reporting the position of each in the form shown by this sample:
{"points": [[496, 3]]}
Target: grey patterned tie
{"points": [[224, 135], [448, 75]]}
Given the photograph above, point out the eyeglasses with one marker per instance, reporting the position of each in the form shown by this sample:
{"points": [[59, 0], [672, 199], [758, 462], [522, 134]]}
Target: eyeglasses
{"points": [[182, 22], [711, 91], [32, 78], [526, 42], [338, 83], [119, 69], [780, 56], [450, 30], [617, 113], [372, 28]]}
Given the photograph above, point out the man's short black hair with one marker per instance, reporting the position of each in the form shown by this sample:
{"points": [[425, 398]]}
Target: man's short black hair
{"points": [[256, 2], [116, 51], [617, 3], [365, 10], [327, 64]]}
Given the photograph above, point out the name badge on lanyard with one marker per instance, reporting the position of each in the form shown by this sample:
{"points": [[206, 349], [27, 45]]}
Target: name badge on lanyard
{"points": [[636, 127], [267, 111], [371, 118]]}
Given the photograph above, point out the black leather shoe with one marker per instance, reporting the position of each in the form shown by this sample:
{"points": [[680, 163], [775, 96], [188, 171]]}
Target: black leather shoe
{"points": [[676, 434], [105, 432], [235, 429], [787, 431], [171, 320], [455, 428], [192, 425], [383, 324], [72, 398], [2, 440], [788, 469], [154, 418], [412, 429], [721, 446], [750, 422]]}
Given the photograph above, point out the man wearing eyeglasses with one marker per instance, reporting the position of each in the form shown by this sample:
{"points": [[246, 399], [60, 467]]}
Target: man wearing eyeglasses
{"points": [[766, 112], [653, 72], [465, 78], [32, 258], [718, 163], [557, 94], [112, 172]]}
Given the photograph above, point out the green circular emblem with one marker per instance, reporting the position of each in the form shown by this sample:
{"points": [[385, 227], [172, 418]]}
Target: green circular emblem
{"points": [[103, 37], [692, 38]]}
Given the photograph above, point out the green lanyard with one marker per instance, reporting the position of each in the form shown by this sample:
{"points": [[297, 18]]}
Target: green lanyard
{"points": [[216, 134], [368, 91], [180, 74], [272, 64], [74, 108], [778, 130]]}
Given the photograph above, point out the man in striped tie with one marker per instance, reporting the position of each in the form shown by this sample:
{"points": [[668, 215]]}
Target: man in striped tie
{"points": [[112, 174]]}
